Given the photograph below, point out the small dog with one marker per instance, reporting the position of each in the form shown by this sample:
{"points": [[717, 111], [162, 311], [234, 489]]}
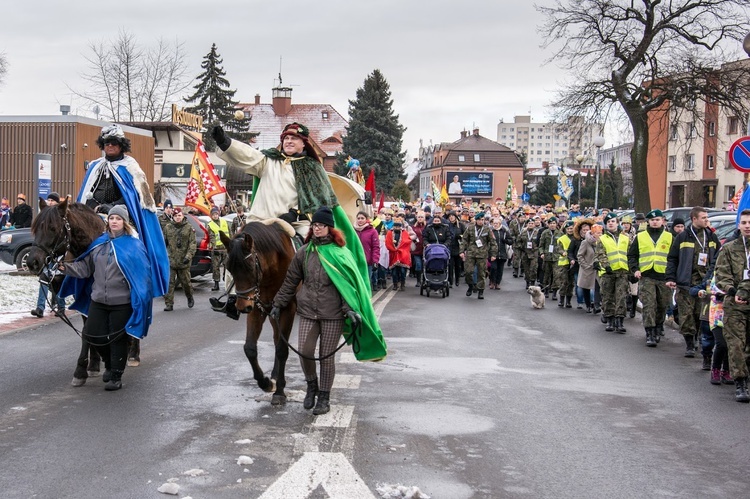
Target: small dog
{"points": [[537, 296]]}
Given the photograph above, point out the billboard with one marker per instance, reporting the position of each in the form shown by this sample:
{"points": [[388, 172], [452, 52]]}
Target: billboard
{"points": [[472, 184]]}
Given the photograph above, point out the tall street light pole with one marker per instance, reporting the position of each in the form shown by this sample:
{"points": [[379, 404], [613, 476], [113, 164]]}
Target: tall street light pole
{"points": [[598, 142], [579, 160], [746, 46]]}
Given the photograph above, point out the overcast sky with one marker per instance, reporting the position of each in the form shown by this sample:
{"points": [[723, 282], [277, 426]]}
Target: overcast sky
{"points": [[450, 65]]}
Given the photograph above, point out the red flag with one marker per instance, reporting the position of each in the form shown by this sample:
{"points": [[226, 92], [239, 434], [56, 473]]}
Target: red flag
{"points": [[204, 183], [382, 201], [370, 184]]}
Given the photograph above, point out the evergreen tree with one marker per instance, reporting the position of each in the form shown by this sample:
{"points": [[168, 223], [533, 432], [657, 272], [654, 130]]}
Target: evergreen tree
{"points": [[401, 191], [545, 190], [374, 135], [215, 101]]}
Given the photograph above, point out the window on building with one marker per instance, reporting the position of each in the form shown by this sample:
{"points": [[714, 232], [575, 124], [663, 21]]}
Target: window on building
{"points": [[691, 130], [689, 162], [476, 158], [324, 115], [532, 129], [729, 191], [709, 196], [539, 153], [673, 132], [461, 158], [503, 129], [672, 164], [711, 128], [710, 162], [512, 129], [733, 125]]}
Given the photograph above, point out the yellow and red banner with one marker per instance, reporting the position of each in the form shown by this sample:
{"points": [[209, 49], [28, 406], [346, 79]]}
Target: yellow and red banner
{"points": [[204, 183]]}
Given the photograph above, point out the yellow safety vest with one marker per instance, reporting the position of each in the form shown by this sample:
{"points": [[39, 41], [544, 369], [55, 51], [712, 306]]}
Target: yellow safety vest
{"points": [[564, 241], [222, 226], [653, 256], [617, 252]]}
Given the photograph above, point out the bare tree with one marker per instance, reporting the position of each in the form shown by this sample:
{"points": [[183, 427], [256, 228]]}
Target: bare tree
{"points": [[3, 67], [645, 56], [133, 83]]}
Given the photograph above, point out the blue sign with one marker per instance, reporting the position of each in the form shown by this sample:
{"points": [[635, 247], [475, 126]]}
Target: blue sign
{"points": [[739, 154], [469, 183], [525, 197]]}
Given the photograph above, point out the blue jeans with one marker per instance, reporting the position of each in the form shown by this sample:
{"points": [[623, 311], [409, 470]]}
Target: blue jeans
{"points": [[41, 301], [417, 264], [399, 274]]}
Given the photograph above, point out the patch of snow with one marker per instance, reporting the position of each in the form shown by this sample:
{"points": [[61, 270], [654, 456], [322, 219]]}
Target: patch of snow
{"points": [[297, 436], [19, 294], [18, 408], [400, 492], [194, 472], [244, 460], [169, 488], [243, 441]]}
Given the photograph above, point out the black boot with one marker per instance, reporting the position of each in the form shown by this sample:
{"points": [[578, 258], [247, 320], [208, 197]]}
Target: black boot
{"points": [[706, 363], [689, 346], [323, 406], [567, 302], [554, 294], [115, 382], [312, 392], [561, 302], [633, 306], [480, 294], [650, 340], [191, 301], [740, 394], [470, 290], [216, 286], [106, 375], [618, 325], [610, 326]]}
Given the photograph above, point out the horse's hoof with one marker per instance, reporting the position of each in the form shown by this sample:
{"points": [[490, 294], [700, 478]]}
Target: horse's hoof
{"points": [[266, 385], [278, 399], [132, 362], [78, 381]]}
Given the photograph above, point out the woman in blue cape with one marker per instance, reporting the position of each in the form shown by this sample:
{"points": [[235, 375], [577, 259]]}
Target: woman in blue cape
{"points": [[111, 282]]}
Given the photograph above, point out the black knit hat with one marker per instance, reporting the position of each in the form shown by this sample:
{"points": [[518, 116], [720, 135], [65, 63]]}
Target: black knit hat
{"points": [[54, 197], [324, 216]]}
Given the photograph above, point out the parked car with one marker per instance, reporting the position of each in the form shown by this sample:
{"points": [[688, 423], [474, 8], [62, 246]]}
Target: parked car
{"points": [[15, 245], [684, 213]]}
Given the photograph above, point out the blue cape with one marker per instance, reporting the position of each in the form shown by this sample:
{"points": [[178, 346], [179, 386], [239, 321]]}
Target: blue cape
{"points": [[145, 221], [132, 259]]}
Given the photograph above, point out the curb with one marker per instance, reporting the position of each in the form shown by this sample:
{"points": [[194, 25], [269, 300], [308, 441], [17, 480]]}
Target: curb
{"points": [[31, 322]]}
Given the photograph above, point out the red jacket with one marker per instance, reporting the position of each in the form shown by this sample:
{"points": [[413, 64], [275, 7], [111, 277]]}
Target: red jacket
{"points": [[398, 256]]}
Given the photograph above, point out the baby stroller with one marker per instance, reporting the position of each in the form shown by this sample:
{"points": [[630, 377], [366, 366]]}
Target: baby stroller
{"points": [[435, 270]]}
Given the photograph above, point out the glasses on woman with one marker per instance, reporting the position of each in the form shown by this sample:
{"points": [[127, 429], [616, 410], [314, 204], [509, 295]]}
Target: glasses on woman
{"points": [[317, 225]]}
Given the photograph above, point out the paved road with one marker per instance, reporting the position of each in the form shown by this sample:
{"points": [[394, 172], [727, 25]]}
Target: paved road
{"points": [[476, 399]]}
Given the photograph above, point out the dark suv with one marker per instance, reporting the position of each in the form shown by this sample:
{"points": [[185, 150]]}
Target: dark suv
{"points": [[15, 245]]}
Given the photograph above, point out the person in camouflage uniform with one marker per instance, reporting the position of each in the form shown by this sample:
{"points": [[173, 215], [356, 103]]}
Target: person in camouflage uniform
{"points": [[562, 280], [647, 259], [612, 264], [179, 237], [516, 226], [166, 216], [549, 257], [530, 251], [690, 263], [733, 279], [477, 245]]}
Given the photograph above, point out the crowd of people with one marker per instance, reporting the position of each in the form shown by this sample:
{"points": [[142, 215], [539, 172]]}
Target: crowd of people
{"points": [[596, 261]]}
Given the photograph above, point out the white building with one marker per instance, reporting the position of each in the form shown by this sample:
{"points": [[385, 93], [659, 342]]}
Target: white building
{"points": [[620, 157], [554, 143]]}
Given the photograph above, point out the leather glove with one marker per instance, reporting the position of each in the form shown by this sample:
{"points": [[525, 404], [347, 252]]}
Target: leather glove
{"points": [[608, 269], [354, 317], [185, 261], [220, 137], [275, 313], [103, 208], [597, 266]]}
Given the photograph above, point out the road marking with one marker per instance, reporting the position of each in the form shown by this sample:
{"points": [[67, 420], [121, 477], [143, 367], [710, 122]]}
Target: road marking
{"points": [[347, 381], [330, 471], [339, 417], [382, 303], [347, 358]]}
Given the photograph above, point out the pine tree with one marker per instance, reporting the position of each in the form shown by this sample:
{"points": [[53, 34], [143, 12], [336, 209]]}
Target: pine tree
{"points": [[545, 190], [374, 135], [215, 101]]}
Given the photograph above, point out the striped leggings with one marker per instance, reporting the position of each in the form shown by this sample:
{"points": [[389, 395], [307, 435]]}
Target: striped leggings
{"points": [[329, 331]]}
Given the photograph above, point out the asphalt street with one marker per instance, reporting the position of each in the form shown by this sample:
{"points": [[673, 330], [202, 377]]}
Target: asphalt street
{"points": [[475, 399]]}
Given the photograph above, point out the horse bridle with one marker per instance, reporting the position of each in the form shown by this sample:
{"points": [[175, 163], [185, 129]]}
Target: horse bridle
{"points": [[52, 253], [252, 294]]}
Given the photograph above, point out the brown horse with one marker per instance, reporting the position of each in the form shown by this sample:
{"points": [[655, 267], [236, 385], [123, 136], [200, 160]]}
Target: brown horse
{"points": [[258, 258], [66, 231]]}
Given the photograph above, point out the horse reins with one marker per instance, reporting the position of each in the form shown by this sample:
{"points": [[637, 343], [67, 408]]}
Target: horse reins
{"points": [[265, 309]]}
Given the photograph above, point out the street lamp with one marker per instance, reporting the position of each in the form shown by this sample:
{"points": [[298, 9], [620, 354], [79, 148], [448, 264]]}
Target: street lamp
{"points": [[525, 183], [746, 46], [598, 142], [579, 160]]}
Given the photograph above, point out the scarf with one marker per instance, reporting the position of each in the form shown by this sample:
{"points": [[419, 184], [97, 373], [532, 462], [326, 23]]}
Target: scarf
{"points": [[313, 187]]}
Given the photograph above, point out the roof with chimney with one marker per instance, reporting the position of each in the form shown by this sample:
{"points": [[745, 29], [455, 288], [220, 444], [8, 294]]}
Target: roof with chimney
{"points": [[474, 150], [327, 127]]}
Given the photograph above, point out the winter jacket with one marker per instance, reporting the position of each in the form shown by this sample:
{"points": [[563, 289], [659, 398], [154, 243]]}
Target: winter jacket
{"points": [[21, 216], [457, 231], [318, 297], [503, 240], [368, 236], [437, 234], [469, 242], [419, 242], [399, 250], [731, 265], [682, 265], [181, 243], [585, 257], [634, 252]]}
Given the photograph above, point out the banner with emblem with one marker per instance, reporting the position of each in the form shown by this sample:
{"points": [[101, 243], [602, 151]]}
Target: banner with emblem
{"points": [[564, 185], [204, 183]]}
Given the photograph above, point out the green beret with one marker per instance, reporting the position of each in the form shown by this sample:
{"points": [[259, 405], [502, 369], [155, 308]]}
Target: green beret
{"points": [[479, 216], [609, 217], [654, 213], [569, 223], [551, 219]]}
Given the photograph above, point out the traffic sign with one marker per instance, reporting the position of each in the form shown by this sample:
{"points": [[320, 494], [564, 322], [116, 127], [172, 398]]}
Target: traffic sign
{"points": [[525, 197], [739, 154]]}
